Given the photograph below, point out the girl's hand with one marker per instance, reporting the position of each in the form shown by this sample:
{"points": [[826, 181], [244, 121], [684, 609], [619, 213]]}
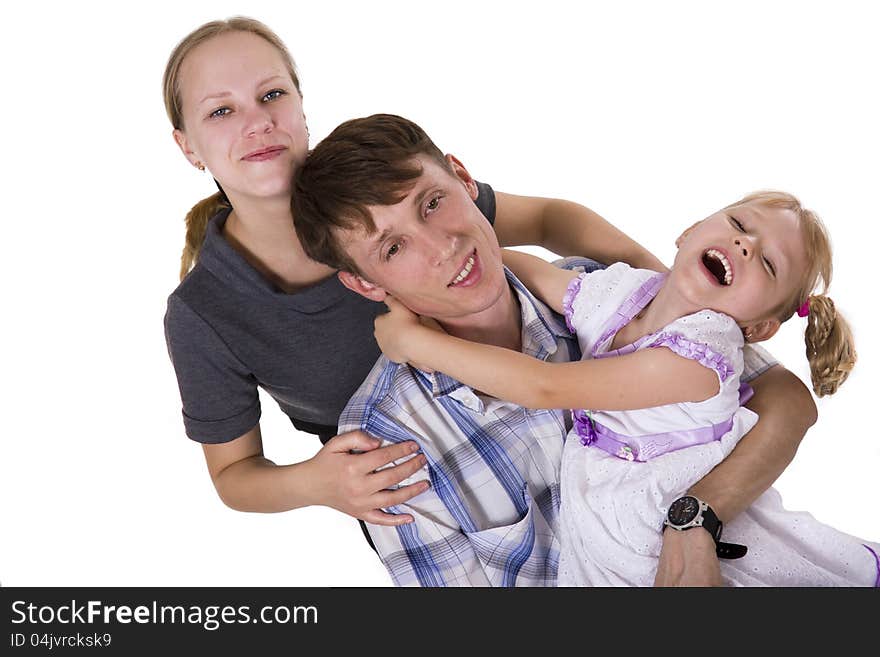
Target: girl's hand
{"points": [[396, 329]]}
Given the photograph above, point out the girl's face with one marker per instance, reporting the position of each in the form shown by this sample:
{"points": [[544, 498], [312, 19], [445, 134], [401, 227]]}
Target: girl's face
{"points": [[744, 262], [243, 116]]}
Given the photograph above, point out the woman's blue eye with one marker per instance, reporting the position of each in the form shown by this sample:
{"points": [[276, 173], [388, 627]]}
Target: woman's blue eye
{"points": [[770, 266], [738, 225], [220, 111], [275, 93]]}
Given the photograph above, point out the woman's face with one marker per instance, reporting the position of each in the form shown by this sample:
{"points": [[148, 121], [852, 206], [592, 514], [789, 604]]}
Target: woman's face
{"points": [[242, 115]]}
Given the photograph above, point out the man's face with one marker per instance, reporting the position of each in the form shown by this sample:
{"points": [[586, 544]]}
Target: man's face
{"points": [[434, 251]]}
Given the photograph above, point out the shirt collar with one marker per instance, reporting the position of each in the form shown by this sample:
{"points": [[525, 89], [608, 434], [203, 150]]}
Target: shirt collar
{"points": [[228, 265], [541, 331]]}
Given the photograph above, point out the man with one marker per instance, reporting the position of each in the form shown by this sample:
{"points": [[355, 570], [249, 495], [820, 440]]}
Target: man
{"points": [[378, 200]]}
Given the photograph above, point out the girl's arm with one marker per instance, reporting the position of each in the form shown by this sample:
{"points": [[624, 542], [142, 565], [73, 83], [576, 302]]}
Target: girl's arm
{"points": [[541, 278], [566, 228], [607, 384]]}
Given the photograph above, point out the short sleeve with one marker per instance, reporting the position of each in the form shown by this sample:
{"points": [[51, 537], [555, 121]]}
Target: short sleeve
{"points": [[707, 337], [485, 201], [219, 395], [592, 298]]}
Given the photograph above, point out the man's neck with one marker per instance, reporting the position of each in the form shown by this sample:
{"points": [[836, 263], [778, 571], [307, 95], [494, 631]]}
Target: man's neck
{"points": [[499, 325]]}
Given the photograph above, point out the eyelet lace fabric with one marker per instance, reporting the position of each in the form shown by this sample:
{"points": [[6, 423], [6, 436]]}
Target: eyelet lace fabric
{"points": [[613, 508]]}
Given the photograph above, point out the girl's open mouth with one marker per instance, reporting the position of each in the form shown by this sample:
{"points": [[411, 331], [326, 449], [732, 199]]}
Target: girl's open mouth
{"points": [[718, 265]]}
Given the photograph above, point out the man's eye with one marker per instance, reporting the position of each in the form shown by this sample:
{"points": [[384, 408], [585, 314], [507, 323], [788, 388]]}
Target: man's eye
{"points": [[433, 204], [275, 93], [220, 111], [392, 251]]}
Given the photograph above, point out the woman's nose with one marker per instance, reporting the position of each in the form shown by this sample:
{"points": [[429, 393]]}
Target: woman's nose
{"points": [[258, 120]]}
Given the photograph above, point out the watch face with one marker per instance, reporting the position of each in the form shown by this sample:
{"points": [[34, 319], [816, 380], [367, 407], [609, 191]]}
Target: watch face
{"points": [[683, 510]]}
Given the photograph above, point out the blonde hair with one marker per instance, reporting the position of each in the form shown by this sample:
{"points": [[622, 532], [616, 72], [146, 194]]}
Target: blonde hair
{"points": [[830, 347], [197, 218]]}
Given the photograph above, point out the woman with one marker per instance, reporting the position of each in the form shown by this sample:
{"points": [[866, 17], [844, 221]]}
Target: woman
{"points": [[253, 310]]}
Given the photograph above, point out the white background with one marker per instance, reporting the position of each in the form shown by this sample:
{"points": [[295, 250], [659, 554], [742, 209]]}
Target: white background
{"points": [[653, 114]]}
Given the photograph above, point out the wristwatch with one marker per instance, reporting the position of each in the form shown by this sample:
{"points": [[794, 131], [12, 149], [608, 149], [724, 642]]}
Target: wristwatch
{"points": [[688, 512]]}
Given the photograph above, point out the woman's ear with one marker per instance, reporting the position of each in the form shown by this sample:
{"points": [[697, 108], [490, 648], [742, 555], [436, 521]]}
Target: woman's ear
{"points": [[760, 331], [184, 146], [363, 287], [458, 169]]}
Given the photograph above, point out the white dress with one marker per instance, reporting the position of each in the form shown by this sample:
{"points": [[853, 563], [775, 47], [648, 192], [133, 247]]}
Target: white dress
{"points": [[617, 487]]}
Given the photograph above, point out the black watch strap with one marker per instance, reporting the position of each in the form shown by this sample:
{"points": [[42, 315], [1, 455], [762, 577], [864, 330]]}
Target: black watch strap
{"points": [[730, 550], [712, 524]]}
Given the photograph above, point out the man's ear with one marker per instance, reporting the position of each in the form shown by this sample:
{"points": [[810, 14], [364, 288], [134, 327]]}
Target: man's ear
{"points": [[685, 233], [363, 287], [760, 331], [184, 146], [458, 168]]}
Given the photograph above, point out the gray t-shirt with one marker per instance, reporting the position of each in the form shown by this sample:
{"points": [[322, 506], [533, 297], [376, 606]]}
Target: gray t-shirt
{"points": [[229, 331]]}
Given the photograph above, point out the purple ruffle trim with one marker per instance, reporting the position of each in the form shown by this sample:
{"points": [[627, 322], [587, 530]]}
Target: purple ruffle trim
{"points": [[876, 561], [697, 351], [570, 293]]}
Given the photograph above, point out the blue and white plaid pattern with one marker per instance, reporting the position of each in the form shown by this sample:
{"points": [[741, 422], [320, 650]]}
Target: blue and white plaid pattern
{"points": [[490, 516]]}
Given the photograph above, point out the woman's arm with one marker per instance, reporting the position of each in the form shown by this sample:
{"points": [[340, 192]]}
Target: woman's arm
{"points": [[247, 481], [663, 377], [566, 228], [786, 410], [541, 278]]}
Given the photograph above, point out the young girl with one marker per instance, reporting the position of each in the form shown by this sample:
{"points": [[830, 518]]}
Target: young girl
{"points": [[662, 418]]}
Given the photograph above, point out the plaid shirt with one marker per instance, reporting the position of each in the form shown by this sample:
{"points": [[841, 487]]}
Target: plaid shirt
{"points": [[490, 517]]}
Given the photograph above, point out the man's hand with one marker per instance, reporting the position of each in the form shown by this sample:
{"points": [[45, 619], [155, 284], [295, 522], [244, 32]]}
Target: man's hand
{"points": [[354, 483], [688, 558]]}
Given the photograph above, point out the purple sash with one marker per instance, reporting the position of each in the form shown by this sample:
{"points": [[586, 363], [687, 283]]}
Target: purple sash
{"points": [[642, 448]]}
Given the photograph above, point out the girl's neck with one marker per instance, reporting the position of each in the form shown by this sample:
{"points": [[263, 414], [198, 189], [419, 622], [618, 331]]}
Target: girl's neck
{"points": [[667, 306], [263, 233]]}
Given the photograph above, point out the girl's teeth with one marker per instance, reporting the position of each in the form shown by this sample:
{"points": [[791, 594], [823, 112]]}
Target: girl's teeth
{"points": [[728, 275]]}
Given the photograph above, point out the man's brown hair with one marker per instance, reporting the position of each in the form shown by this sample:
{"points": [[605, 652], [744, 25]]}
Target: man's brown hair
{"points": [[363, 162]]}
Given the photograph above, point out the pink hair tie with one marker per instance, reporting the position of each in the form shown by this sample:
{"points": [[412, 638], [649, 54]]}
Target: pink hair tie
{"points": [[804, 310]]}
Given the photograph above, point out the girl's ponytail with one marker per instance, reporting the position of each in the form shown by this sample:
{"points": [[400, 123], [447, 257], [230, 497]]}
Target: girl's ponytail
{"points": [[830, 346], [196, 228]]}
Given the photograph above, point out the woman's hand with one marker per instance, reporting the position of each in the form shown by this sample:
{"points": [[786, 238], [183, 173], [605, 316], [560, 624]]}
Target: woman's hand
{"points": [[353, 474], [396, 329]]}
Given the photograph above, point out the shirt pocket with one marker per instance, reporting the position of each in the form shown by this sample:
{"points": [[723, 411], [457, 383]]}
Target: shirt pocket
{"points": [[517, 554]]}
